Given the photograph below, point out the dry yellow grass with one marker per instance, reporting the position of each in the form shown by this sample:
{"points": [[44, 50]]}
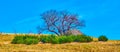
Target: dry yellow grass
{"points": [[110, 46]]}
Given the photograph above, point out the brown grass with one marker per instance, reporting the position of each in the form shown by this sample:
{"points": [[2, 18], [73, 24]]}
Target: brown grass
{"points": [[95, 46]]}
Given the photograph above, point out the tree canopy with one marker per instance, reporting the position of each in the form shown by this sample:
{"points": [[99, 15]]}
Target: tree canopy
{"points": [[59, 22]]}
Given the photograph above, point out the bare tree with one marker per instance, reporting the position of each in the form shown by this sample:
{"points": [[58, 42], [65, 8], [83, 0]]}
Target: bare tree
{"points": [[59, 22]]}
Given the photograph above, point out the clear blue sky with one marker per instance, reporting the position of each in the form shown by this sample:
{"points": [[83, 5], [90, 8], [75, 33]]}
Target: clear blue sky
{"points": [[102, 16]]}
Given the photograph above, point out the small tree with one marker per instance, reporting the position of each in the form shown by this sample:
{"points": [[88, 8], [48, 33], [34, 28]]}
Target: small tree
{"points": [[59, 22]]}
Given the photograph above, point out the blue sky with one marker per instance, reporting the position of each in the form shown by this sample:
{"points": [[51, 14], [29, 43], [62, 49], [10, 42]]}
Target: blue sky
{"points": [[102, 16]]}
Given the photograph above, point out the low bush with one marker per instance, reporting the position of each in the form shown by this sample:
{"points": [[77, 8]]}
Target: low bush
{"points": [[29, 41], [62, 39], [44, 39], [83, 38], [65, 39], [54, 39], [25, 39], [18, 40], [102, 38], [50, 39]]}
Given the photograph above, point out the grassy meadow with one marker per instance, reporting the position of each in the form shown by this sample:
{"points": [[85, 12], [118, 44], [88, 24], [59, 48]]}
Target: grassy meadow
{"points": [[94, 46]]}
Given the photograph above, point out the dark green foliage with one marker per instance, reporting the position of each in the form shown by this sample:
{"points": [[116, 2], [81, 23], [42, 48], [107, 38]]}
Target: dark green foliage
{"points": [[29, 41], [54, 39], [49, 39], [42, 39], [18, 40], [62, 39], [45, 39], [102, 38], [25, 40], [83, 38], [65, 39]]}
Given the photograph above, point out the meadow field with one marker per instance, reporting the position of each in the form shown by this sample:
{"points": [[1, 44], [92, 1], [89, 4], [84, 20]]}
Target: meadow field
{"points": [[94, 46]]}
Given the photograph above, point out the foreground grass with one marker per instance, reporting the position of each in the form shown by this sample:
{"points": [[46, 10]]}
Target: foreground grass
{"points": [[109, 46]]}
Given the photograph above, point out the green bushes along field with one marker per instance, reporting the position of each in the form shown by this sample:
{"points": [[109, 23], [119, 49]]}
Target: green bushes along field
{"points": [[26, 39]]}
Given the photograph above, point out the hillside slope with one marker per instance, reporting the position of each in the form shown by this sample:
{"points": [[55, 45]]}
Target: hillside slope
{"points": [[6, 46]]}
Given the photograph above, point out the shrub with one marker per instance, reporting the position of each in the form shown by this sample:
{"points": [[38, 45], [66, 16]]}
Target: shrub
{"points": [[65, 39], [102, 38], [29, 41], [55, 40], [62, 39], [89, 39], [25, 40], [83, 38], [49, 39], [69, 39], [45, 39], [18, 40]]}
